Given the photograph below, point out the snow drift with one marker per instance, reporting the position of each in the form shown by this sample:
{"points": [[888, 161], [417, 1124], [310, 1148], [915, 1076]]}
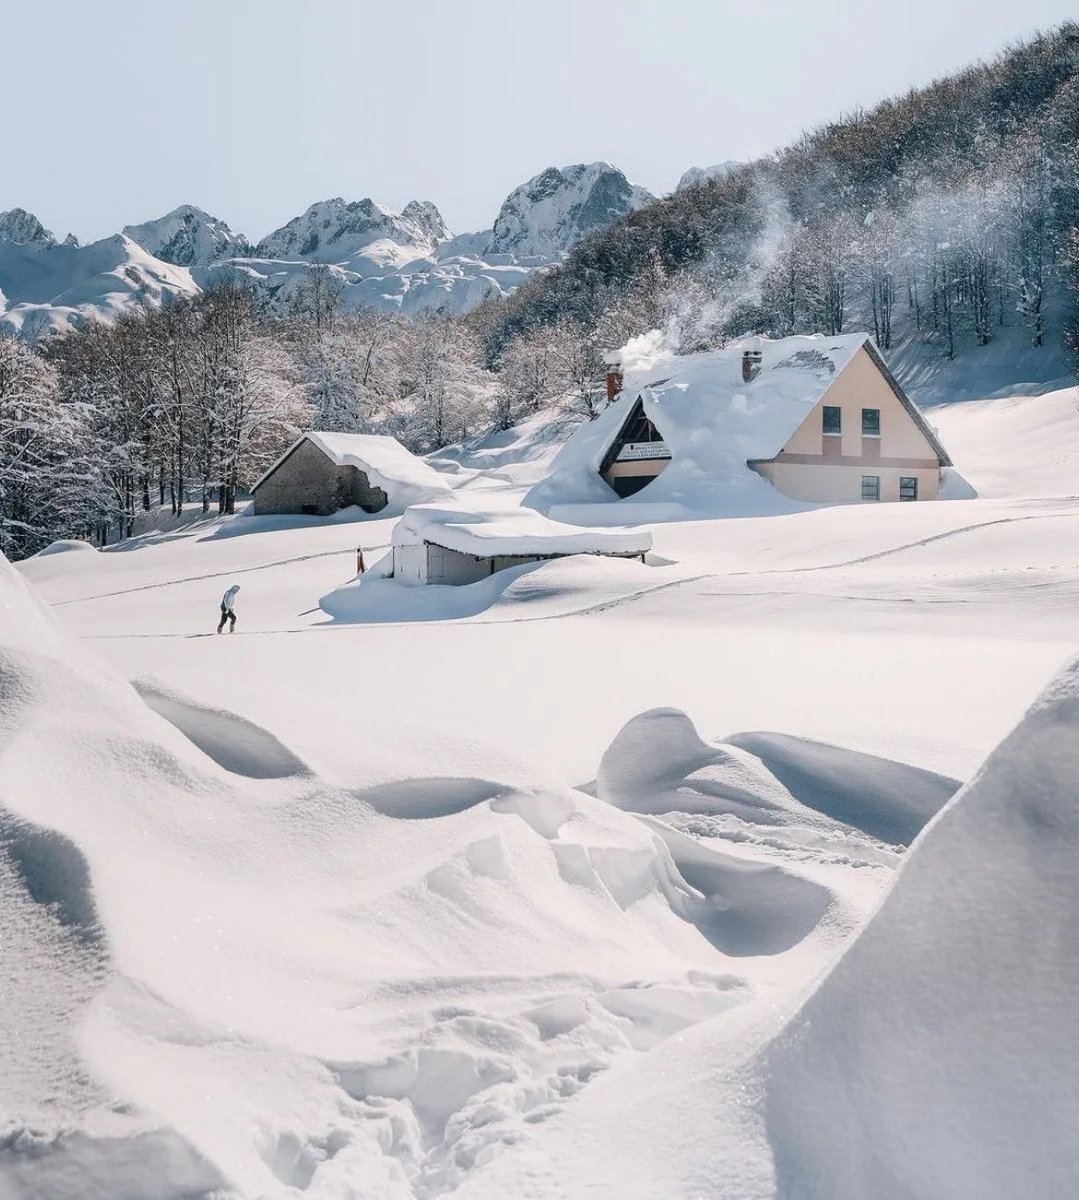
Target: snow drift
{"points": [[941, 1056], [208, 992]]}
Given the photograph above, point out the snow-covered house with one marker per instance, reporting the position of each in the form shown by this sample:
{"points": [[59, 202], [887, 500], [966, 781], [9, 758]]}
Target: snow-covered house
{"points": [[821, 419], [321, 473], [447, 544]]}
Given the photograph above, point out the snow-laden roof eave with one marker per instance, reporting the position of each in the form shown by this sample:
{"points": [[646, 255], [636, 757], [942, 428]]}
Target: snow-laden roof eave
{"points": [[515, 548], [529, 534]]}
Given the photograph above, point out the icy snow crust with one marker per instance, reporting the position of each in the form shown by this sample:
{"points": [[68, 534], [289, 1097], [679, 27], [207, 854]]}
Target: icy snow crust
{"points": [[711, 420], [460, 900]]}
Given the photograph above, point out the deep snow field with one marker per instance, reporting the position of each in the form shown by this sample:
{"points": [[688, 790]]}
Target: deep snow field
{"points": [[549, 887]]}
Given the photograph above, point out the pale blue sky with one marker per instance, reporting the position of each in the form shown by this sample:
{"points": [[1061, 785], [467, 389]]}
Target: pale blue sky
{"points": [[118, 110]]}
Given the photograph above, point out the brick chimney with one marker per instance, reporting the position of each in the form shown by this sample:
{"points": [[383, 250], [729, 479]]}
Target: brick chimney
{"points": [[751, 365], [614, 379]]}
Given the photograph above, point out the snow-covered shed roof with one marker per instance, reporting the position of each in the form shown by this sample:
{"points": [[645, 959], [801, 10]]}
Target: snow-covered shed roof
{"points": [[404, 478], [712, 421], [512, 531]]}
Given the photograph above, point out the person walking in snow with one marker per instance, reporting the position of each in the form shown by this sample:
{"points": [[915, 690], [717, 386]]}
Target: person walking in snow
{"points": [[228, 604]]}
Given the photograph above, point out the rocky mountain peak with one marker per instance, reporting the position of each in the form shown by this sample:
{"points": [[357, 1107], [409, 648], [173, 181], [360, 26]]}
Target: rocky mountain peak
{"points": [[553, 210], [18, 225]]}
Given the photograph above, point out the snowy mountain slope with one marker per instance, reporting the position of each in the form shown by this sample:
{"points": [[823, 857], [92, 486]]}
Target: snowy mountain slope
{"points": [[360, 234], [188, 237], [407, 261], [46, 286], [694, 176], [546, 216]]}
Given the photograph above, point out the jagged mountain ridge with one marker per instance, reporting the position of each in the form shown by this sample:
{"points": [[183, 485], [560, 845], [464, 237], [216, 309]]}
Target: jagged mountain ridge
{"points": [[188, 237], [22, 227], [407, 261], [557, 208], [337, 231]]}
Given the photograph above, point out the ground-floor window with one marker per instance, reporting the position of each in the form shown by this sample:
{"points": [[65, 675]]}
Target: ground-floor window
{"points": [[870, 487], [908, 487]]}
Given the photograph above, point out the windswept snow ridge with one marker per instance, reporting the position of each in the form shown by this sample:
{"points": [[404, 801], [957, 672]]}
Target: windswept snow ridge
{"points": [[941, 1057]]}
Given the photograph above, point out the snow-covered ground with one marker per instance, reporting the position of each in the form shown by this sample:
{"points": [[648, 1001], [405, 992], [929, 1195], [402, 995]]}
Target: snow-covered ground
{"points": [[515, 889]]}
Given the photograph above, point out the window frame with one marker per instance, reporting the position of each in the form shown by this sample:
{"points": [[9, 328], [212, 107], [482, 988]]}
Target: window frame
{"points": [[870, 432], [873, 481], [908, 479], [826, 410]]}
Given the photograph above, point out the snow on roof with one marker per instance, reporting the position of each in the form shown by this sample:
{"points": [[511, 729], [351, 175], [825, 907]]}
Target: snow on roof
{"points": [[512, 531], [712, 421], [404, 478]]}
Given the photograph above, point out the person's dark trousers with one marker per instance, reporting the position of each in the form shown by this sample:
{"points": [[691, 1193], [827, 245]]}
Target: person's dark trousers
{"points": [[226, 615]]}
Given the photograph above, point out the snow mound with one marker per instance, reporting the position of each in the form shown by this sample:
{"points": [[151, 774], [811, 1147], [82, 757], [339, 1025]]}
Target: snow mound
{"points": [[886, 799], [767, 786], [941, 1056], [225, 974], [235, 744], [66, 546], [529, 592]]}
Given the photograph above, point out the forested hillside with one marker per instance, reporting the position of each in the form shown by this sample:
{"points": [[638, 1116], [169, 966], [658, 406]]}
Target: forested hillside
{"points": [[945, 218], [952, 208]]}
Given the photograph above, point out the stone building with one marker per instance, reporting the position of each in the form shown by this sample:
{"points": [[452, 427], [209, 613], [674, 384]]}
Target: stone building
{"points": [[322, 473]]}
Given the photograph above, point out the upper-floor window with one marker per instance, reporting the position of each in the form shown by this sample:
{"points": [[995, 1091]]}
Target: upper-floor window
{"points": [[870, 422], [833, 418]]}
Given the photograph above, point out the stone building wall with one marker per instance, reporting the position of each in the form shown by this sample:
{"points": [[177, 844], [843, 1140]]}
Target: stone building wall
{"points": [[309, 482]]}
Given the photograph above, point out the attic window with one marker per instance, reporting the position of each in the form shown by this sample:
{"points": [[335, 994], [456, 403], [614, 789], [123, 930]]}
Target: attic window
{"points": [[640, 429], [808, 360]]}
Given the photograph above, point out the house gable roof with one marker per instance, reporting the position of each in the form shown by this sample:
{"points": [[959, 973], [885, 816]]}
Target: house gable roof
{"points": [[713, 421], [913, 410]]}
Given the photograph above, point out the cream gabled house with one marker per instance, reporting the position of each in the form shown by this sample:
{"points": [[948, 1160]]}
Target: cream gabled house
{"points": [[864, 439], [820, 418]]}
